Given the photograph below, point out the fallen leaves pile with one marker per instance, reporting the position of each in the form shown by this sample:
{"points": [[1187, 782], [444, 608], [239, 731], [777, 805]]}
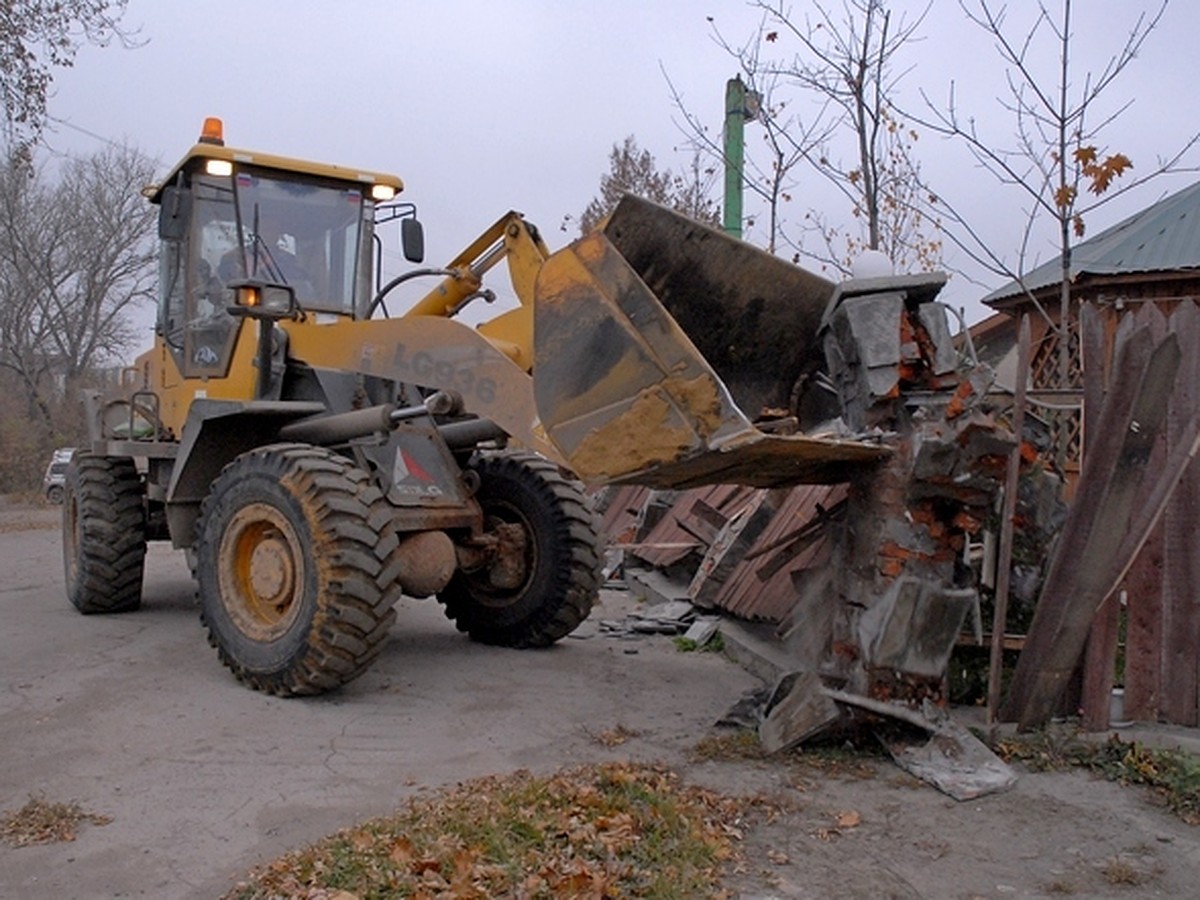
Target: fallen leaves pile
{"points": [[42, 822], [612, 830]]}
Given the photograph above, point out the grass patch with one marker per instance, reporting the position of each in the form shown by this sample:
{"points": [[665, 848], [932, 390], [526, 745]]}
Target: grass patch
{"points": [[1118, 871], [41, 822], [614, 830], [715, 644], [1173, 775]]}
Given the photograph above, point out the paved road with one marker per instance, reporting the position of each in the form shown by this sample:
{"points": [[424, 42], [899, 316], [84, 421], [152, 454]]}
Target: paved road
{"points": [[133, 717]]}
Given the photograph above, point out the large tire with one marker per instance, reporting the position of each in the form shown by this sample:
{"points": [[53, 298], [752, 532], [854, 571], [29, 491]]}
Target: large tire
{"points": [[290, 546], [559, 576], [103, 534]]}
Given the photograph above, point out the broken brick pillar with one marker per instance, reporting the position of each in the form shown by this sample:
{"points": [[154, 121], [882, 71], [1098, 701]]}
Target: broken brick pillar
{"points": [[884, 618]]}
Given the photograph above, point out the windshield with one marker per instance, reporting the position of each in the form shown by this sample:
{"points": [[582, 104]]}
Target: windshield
{"points": [[303, 234], [312, 234]]}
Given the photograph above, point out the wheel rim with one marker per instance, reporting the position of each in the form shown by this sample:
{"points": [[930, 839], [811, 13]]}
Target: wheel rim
{"points": [[498, 596], [261, 571]]}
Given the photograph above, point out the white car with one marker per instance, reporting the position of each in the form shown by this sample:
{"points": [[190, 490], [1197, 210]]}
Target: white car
{"points": [[56, 474]]}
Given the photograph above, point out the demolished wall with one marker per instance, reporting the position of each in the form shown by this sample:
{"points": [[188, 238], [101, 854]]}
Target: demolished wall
{"points": [[868, 582]]}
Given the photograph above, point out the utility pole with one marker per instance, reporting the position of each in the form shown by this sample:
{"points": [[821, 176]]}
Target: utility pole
{"points": [[741, 106]]}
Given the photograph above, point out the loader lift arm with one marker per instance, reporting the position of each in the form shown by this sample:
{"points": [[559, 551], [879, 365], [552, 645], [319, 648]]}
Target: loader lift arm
{"points": [[655, 345], [510, 239]]}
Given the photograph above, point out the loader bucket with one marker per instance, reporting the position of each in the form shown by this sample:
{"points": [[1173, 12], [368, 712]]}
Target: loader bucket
{"points": [[658, 341]]}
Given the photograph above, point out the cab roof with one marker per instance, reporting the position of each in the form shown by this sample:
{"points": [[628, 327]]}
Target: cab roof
{"points": [[204, 150]]}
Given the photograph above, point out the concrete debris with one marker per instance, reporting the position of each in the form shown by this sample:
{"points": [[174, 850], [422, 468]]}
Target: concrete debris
{"points": [[747, 713], [703, 630], [914, 627], [951, 759], [671, 617], [798, 709], [677, 612], [926, 741], [653, 626], [618, 628], [655, 587]]}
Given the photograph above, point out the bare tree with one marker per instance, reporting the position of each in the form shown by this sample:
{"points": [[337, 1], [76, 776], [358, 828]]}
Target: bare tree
{"points": [[843, 62], [1057, 156], [37, 36], [76, 256], [633, 170]]}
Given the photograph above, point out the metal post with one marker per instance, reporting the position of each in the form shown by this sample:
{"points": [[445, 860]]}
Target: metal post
{"points": [[735, 154]]}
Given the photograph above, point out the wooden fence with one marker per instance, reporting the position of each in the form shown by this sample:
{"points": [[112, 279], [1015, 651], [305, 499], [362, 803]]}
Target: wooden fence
{"points": [[1146, 638]]}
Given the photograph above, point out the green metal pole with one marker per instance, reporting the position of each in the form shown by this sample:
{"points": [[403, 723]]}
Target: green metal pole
{"points": [[735, 154]]}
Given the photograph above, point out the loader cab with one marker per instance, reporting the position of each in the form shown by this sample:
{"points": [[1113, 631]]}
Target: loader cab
{"points": [[229, 215]]}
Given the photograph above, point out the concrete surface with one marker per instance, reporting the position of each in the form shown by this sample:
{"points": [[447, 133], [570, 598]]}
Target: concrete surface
{"points": [[132, 716]]}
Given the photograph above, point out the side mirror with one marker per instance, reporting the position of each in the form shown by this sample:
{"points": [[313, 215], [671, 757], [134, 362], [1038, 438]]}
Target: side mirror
{"points": [[174, 212], [412, 240]]}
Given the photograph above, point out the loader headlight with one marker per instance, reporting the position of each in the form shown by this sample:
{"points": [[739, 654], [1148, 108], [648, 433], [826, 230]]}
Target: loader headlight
{"points": [[261, 300], [382, 192]]}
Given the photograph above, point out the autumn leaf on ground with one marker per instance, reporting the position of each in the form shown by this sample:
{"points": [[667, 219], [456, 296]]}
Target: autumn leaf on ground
{"points": [[614, 737], [849, 818], [42, 822]]}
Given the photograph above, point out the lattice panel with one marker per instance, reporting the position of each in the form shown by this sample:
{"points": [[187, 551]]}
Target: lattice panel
{"points": [[1066, 429], [1044, 367]]}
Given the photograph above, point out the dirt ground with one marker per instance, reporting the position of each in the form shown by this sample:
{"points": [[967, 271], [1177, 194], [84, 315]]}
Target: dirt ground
{"points": [[133, 717]]}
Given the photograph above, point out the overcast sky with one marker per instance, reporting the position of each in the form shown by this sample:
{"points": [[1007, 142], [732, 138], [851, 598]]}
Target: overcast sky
{"points": [[485, 106]]}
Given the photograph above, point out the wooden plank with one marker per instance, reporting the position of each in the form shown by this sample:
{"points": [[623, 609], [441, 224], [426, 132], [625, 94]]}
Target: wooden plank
{"points": [[1099, 530], [1141, 519], [1142, 587], [1008, 641], [1100, 656], [1144, 635], [1181, 569], [1099, 466], [1099, 665], [1007, 514]]}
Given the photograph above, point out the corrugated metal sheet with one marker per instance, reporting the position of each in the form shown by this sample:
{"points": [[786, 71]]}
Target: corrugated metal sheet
{"points": [[749, 591], [760, 587], [1164, 237], [681, 530], [620, 516]]}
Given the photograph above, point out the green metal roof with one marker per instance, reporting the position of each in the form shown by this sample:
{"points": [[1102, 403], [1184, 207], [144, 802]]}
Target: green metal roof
{"points": [[1164, 237]]}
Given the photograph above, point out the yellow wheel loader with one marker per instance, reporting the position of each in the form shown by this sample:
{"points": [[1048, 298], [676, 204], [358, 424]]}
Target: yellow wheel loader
{"points": [[317, 456]]}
